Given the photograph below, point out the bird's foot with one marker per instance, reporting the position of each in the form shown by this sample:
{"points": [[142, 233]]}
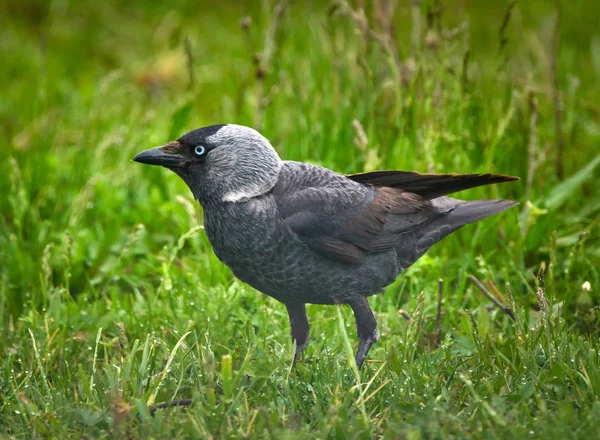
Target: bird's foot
{"points": [[299, 350], [364, 345]]}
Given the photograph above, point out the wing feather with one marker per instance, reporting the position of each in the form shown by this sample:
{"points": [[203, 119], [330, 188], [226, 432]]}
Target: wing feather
{"points": [[348, 232], [429, 186]]}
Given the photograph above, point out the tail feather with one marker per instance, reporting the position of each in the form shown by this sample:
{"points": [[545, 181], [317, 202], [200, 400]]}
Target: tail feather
{"points": [[459, 213], [469, 212]]}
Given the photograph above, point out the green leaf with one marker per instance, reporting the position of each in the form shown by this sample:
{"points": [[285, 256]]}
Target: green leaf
{"points": [[561, 192]]}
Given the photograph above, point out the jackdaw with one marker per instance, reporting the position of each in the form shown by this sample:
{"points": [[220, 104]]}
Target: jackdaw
{"points": [[301, 233]]}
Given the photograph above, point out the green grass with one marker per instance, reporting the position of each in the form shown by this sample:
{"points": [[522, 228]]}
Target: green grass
{"points": [[112, 300]]}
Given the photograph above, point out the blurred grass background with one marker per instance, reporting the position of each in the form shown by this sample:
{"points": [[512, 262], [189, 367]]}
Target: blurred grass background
{"points": [[111, 299]]}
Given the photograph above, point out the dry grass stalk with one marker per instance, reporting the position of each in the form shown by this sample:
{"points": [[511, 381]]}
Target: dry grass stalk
{"points": [[491, 297], [262, 60]]}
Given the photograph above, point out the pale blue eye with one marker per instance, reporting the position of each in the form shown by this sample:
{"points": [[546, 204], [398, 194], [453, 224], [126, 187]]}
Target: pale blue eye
{"points": [[199, 150]]}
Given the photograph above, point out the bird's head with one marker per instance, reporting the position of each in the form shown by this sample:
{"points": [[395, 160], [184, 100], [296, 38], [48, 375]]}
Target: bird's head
{"points": [[220, 163]]}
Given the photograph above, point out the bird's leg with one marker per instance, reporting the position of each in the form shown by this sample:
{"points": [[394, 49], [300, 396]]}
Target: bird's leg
{"points": [[300, 328], [366, 327]]}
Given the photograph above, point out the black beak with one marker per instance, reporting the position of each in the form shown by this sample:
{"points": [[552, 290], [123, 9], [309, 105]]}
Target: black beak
{"points": [[157, 156]]}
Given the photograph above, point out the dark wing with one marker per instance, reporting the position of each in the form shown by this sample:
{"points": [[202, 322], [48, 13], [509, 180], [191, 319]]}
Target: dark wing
{"points": [[429, 186], [349, 223]]}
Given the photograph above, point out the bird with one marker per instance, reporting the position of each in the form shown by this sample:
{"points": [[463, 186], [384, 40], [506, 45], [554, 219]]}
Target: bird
{"points": [[304, 234]]}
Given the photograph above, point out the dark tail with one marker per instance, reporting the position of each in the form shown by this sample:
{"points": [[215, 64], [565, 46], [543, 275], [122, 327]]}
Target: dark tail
{"points": [[462, 214], [469, 212]]}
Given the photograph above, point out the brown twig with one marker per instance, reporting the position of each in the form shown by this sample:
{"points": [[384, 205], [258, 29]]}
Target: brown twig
{"points": [[438, 317], [502, 35], [496, 292], [262, 60], [404, 314], [386, 21], [171, 404], [385, 39], [491, 297], [502, 32], [269, 47], [556, 93]]}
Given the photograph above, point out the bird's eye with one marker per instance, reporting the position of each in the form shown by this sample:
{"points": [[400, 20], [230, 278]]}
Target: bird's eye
{"points": [[199, 150]]}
